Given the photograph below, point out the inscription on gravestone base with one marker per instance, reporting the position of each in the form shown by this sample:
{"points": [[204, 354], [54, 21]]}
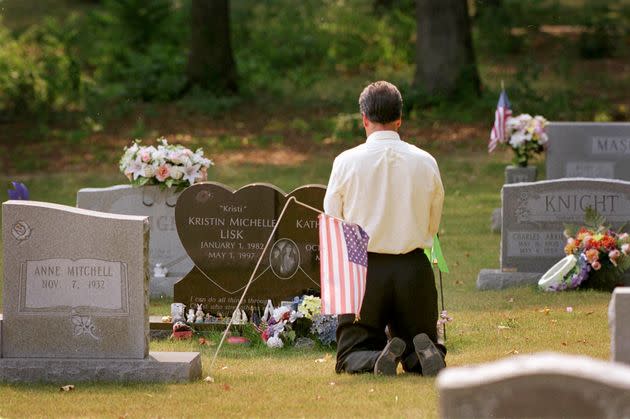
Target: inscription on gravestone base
{"points": [[224, 233]]}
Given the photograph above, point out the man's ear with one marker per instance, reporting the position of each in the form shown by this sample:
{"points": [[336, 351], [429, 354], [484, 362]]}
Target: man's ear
{"points": [[398, 122], [366, 121]]}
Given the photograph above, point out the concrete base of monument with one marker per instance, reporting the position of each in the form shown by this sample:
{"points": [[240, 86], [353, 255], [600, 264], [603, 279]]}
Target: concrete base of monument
{"points": [[496, 279], [158, 367]]}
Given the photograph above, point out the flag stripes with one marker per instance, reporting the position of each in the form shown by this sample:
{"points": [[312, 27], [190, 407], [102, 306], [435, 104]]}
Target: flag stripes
{"points": [[342, 279], [501, 115]]}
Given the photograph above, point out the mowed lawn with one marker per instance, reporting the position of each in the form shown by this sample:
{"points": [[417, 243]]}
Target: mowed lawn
{"points": [[259, 382]]}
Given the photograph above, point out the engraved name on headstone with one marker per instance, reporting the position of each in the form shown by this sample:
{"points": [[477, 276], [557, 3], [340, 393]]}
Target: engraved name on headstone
{"points": [[588, 149], [535, 214], [168, 261], [225, 231]]}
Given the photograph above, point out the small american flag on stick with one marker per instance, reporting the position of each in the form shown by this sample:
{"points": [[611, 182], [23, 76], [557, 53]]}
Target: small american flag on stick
{"points": [[343, 265], [503, 112]]}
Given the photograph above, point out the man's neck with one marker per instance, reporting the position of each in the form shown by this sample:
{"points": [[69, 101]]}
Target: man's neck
{"points": [[372, 127]]}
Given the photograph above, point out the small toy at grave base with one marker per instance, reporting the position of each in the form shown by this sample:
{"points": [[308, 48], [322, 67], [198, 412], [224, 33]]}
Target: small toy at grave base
{"points": [[177, 312], [167, 319], [208, 318], [199, 314], [238, 340], [236, 317], [182, 331], [159, 271], [268, 311], [190, 317]]}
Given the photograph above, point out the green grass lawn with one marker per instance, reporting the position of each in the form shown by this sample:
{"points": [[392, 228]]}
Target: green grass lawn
{"points": [[258, 381]]}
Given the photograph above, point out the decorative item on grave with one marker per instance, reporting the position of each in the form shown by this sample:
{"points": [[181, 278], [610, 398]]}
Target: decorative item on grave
{"points": [[285, 326], [597, 256], [182, 331], [199, 314], [526, 136], [190, 317], [19, 191], [166, 165], [177, 312]]}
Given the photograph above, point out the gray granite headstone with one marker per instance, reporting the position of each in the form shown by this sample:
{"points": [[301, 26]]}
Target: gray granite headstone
{"points": [[164, 246], [588, 149], [618, 315], [533, 221], [76, 298], [535, 214], [544, 385]]}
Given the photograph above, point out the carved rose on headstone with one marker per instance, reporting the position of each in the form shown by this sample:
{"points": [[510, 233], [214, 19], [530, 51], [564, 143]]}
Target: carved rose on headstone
{"points": [[21, 231]]}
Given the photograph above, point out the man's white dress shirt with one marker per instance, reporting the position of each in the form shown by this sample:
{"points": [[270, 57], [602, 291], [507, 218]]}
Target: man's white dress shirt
{"points": [[390, 188]]}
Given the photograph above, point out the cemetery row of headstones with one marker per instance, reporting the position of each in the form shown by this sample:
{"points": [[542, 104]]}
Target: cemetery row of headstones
{"points": [[76, 287], [586, 166]]}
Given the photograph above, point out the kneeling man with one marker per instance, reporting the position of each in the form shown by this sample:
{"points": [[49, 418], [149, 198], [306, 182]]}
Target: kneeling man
{"points": [[394, 191]]}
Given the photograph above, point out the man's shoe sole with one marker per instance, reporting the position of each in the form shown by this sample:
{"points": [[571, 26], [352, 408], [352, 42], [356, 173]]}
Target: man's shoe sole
{"points": [[429, 356], [387, 361]]}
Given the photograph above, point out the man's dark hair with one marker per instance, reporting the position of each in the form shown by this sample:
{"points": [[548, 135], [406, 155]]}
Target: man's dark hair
{"points": [[381, 102]]}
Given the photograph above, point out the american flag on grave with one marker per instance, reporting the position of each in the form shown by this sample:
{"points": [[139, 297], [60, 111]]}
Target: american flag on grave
{"points": [[343, 265], [501, 115]]}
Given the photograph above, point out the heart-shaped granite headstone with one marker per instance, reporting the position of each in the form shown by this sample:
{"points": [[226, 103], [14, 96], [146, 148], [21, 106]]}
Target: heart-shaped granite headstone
{"points": [[225, 231]]}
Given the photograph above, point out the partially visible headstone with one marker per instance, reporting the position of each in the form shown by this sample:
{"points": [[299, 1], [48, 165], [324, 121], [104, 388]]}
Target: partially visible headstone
{"points": [[618, 315], [534, 217], [225, 232], [495, 220], [168, 260], [588, 149], [544, 385], [76, 298], [513, 174], [517, 174]]}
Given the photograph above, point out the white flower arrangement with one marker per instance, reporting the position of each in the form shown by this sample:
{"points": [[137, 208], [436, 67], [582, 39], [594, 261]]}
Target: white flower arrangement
{"points": [[526, 135], [166, 165]]}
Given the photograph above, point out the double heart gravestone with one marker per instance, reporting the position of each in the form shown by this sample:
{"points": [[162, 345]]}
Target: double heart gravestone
{"points": [[225, 231]]}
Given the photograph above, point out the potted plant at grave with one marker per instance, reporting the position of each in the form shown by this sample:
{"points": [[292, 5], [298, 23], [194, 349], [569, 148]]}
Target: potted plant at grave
{"points": [[597, 256], [167, 165]]}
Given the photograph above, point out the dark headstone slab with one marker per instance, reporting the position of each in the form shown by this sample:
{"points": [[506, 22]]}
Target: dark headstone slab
{"points": [[225, 231], [588, 149]]}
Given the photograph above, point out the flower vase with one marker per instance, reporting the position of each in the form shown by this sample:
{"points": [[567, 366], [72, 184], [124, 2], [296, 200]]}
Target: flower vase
{"points": [[516, 174]]}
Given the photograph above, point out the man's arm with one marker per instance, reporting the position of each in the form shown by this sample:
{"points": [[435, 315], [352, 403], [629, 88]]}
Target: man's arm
{"points": [[437, 202], [333, 201]]}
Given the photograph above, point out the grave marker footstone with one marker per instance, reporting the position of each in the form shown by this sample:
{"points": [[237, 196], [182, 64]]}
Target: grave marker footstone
{"points": [[75, 298], [545, 385], [534, 218], [168, 260], [588, 149], [618, 315], [224, 232]]}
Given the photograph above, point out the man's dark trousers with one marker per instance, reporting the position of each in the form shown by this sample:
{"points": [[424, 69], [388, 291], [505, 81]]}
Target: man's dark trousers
{"points": [[400, 294]]}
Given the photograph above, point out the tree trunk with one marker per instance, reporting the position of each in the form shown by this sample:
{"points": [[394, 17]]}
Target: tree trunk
{"points": [[445, 59], [211, 62]]}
